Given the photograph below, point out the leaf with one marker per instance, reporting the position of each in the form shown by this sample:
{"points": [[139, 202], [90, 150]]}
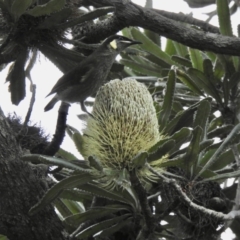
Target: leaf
{"points": [[161, 151], [218, 177], [47, 9], [65, 155], [53, 161], [140, 160], [54, 192], [2, 237], [93, 214], [180, 137], [100, 192], [182, 61], [191, 157], [220, 132], [140, 68], [98, 227], [222, 147], [170, 48], [75, 195], [55, 19], [87, 17], [196, 58], [62, 208], [150, 46], [202, 115], [168, 100], [115, 228], [224, 17], [188, 82], [16, 76], [19, 7], [200, 79]]}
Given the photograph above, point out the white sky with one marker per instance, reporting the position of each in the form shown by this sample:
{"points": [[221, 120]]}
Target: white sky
{"points": [[45, 75]]}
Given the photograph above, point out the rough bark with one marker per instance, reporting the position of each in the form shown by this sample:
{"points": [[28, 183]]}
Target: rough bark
{"points": [[21, 186]]}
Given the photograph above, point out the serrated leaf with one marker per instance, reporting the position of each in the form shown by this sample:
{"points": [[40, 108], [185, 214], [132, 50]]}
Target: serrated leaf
{"points": [[181, 49], [202, 81], [92, 214], [62, 208], [168, 100], [201, 117], [161, 151], [180, 137], [191, 157], [53, 161], [75, 195], [208, 71], [19, 7], [16, 77], [115, 228], [95, 163], [224, 17], [170, 48], [182, 61], [218, 177], [150, 46], [100, 192], [48, 8], [54, 192], [140, 68], [221, 148], [65, 155], [87, 17], [55, 19], [188, 82], [98, 227], [220, 132], [139, 160], [196, 58]]}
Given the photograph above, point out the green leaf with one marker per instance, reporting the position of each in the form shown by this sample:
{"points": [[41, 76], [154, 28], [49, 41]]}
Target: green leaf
{"points": [[191, 157], [55, 191], [65, 155], [202, 115], [139, 160], [218, 177], [168, 100], [93, 214], [201, 80], [220, 132], [19, 7], [2, 237], [95, 163], [140, 68], [53, 161], [115, 228], [87, 17], [182, 61], [55, 19], [75, 195], [161, 151], [62, 208], [181, 49], [224, 18], [150, 46], [196, 58], [188, 82], [180, 137], [100, 192], [16, 76], [170, 48], [47, 9], [98, 227], [222, 147]]}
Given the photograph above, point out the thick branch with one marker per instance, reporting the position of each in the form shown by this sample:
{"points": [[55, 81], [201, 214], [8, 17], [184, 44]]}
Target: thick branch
{"points": [[130, 14]]}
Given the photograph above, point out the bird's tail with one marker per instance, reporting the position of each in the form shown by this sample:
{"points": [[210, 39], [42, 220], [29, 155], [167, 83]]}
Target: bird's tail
{"points": [[51, 104]]}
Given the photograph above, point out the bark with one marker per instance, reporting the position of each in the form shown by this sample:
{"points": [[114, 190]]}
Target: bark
{"points": [[21, 186]]}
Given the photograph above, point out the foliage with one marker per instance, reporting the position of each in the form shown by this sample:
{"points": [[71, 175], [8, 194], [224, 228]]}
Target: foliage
{"points": [[196, 99]]}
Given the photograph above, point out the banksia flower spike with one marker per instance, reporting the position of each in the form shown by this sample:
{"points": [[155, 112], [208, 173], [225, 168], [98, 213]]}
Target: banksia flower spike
{"points": [[124, 123]]}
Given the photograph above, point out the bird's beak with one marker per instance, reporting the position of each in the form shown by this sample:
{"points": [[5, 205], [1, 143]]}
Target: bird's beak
{"points": [[134, 42]]}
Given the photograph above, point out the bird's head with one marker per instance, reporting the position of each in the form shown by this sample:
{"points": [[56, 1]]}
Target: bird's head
{"points": [[119, 43]]}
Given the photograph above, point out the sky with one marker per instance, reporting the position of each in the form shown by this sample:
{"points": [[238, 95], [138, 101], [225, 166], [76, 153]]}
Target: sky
{"points": [[45, 75]]}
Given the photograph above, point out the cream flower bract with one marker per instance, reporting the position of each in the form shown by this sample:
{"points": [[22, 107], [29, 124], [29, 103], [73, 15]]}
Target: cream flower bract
{"points": [[124, 124]]}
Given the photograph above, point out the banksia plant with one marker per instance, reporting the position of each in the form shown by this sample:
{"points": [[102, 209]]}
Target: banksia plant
{"points": [[124, 123]]}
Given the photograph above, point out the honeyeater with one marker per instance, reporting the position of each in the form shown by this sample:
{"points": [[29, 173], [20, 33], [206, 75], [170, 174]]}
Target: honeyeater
{"points": [[86, 78]]}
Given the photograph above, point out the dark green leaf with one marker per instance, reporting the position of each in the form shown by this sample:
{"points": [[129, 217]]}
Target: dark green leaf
{"points": [[168, 100], [196, 58], [55, 191], [182, 61], [19, 7]]}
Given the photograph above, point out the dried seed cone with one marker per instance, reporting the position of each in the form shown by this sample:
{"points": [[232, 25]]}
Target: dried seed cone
{"points": [[124, 124]]}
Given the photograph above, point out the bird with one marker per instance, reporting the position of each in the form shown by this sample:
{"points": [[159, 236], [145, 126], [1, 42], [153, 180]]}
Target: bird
{"points": [[90, 74]]}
